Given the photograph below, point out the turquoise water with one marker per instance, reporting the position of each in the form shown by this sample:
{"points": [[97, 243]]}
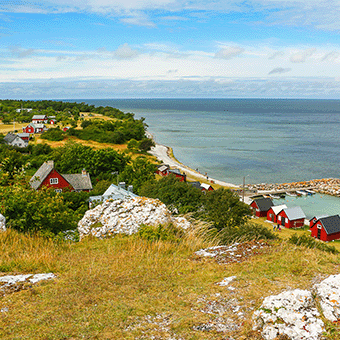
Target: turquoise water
{"points": [[314, 205]]}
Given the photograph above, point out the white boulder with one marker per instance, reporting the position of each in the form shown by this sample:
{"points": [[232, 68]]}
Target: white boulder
{"points": [[126, 216], [329, 293], [291, 313], [2, 223]]}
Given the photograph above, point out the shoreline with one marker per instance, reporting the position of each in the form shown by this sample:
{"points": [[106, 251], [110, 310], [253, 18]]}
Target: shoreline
{"points": [[162, 153], [328, 186]]}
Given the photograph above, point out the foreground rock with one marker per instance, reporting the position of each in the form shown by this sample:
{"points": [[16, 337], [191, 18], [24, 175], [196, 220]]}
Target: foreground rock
{"points": [[2, 223], [293, 313], [329, 294], [126, 216]]}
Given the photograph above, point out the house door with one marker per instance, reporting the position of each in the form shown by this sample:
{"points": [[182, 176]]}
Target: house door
{"points": [[283, 220], [319, 233]]}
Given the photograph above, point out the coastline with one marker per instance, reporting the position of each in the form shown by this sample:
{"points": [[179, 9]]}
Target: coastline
{"points": [[162, 153]]}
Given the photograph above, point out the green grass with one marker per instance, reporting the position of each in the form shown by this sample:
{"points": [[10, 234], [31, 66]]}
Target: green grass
{"points": [[126, 287]]}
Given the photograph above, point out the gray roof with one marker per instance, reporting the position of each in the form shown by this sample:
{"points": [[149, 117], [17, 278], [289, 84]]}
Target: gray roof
{"points": [[114, 192], [23, 134], [331, 224], [175, 171], [196, 185], [294, 213], [41, 174], [79, 181], [10, 137], [39, 117], [264, 203]]}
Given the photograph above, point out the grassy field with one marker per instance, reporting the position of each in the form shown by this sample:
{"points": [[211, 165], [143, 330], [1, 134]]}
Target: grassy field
{"points": [[130, 288]]}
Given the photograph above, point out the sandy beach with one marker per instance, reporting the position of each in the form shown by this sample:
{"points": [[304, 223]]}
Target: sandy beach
{"points": [[161, 152]]}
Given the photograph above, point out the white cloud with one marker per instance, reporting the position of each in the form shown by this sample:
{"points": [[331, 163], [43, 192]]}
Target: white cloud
{"points": [[276, 55], [302, 56], [125, 52], [229, 52], [138, 19], [21, 52], [331, 56]]}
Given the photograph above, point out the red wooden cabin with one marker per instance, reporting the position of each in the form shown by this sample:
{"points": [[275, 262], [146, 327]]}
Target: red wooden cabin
{"points": [[326, 228], [273, 212], [261, 206], [292, 217]]}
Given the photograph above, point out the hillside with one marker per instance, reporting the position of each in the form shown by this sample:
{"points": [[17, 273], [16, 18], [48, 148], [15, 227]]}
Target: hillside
{"points": [[132, 288]]}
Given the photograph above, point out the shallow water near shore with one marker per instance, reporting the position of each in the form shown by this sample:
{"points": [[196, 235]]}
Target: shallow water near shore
{"points": [[270, 141], [314, 205]]}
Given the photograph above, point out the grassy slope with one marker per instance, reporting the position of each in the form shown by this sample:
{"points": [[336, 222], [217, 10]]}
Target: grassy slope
{"points": [[106, 288]]}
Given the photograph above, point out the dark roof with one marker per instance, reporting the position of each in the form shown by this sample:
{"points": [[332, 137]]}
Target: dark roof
{"points": [[331, 224], [41, 174], [79, 181], [9, 138], [196, 185], [264, 203]]}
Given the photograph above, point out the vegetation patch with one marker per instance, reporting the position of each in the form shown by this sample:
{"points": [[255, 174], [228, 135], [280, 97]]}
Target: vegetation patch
{"points": [[309, 242]]}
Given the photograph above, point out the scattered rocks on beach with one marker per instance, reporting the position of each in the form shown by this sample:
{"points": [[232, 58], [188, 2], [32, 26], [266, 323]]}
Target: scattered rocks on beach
{"points": [[126, 216], [2, 223], [329, 186]]}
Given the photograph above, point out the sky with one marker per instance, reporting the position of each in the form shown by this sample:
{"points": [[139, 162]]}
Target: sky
{"points": [[63, 49]]}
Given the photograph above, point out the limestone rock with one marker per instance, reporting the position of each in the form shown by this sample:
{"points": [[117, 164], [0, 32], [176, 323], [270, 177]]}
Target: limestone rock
{"points": [[291, 313], [126, 216], [2, 223], [329, 293]]}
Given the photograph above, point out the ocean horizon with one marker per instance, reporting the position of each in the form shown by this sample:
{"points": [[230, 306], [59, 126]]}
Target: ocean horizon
{"points": [[264, 140]]}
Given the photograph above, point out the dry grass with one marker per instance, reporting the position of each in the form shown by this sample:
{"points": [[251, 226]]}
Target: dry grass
{"points": [[128, 288], [5, 128]]}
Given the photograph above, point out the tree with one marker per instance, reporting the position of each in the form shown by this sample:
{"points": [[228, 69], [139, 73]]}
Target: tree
{"points": [[180, 196], [225, 210], [145, 144], [138, 172]]}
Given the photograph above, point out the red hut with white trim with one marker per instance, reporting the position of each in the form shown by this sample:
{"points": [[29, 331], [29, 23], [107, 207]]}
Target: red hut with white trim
{"points": [[292, 217], [326, 228]]}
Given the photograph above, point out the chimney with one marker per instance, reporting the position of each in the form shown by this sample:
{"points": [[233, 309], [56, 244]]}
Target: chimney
{"points": [[121, 185], [83, 173]]}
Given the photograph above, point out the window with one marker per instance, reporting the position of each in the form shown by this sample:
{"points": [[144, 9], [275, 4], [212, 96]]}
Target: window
{"points": [[53, 180], [58, 190]]}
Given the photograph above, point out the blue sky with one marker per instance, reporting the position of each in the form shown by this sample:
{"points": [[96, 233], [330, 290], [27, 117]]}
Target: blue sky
{"points": [[169, 48]]}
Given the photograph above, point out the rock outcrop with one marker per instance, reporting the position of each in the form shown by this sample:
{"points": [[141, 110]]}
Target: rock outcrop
{"points": [[126, 216], [2, 223], [294, 314]]}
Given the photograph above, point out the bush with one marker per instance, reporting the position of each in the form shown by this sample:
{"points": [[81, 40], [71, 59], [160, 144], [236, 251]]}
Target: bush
{"points": [[310, 242], [163, 233], [246, 232], [54, 134]]}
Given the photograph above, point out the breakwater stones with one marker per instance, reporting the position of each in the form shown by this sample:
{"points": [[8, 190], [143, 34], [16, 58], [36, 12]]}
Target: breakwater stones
{"points": [[294, 314], [329, 186], [2, 223], [126, 216]]}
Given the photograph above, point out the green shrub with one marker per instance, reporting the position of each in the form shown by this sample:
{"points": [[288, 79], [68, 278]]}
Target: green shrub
{"points": [[246, 232], [163, 233], [310, 242], [54, 134]]}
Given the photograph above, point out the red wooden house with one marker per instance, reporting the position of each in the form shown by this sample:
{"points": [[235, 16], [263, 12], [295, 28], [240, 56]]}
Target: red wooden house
{"points": [[182, 176], [48, 176], [39, 119], [202, 186], [34, 128], [261, 206], [28, 129], [162, 170], [292, 217], [273, 212], [326, 228]]}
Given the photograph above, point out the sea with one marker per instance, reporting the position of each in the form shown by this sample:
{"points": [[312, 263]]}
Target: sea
{"points": [[263, 140]]}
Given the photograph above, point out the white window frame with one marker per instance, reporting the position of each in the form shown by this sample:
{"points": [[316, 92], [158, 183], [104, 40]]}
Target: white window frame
{"points": [[54, 180], [59, 190]]}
